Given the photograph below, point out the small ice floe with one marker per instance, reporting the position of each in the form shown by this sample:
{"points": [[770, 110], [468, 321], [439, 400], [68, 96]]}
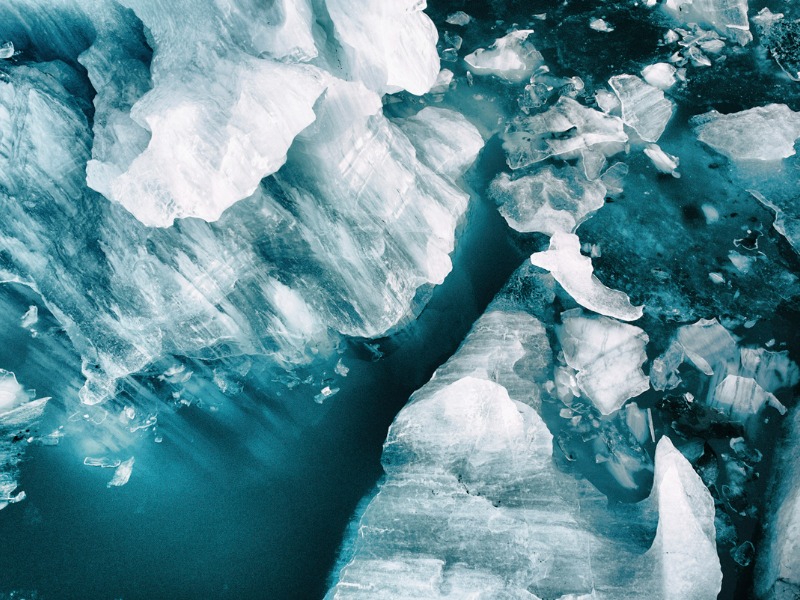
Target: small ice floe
{"points": [[6, 50], [511, 57], [601, 25], [459, 18], [644, 107], [122, 473], [660, 75], [30, 318], [662, 161]]}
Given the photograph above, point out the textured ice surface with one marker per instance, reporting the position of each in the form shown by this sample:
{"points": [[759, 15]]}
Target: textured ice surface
{"points": [[728, 17], [18, 413], [548, 200], [765, 133], [238, 285], [660, 75], [512, 57], [473, 503], [742, 379], [778, 568], [608, 357], [663, 161], [574, 272], [566, 130], [644, 107]]}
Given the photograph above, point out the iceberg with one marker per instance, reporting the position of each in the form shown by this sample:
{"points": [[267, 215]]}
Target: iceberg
{"points": [[764, 133], [548, 200], [473, 502], [575, 273], [511, 57], [608, 357], [644, 107], [211, 290]]}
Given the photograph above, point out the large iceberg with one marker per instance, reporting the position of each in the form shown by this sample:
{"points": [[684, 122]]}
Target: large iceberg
{"points": [[473, 500], [237, 285]]}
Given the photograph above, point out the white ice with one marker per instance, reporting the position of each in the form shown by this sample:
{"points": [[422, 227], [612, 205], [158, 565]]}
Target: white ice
{"points": [[644, 107], [575, 273], [608, 357], [511, 57], [764, 133]]}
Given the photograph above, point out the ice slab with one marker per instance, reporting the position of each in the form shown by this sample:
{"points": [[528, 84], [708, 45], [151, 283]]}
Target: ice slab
{"points": [[550, 199], [575, 273], [511, 57], [608, 357], [728, 17], [566, 130], [644, 107], [664, 162], [764, 133], [361, 216]]}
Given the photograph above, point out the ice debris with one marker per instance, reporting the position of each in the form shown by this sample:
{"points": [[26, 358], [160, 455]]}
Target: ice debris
{"points": [[764, 133], [728, 17], [6, 50], [511, 57], [664, 162], [601, 25], [660, 75], [575, 274], [644, 107], [566, 130], [608, 357], [18, 412], [550, 199], [122, 473]]}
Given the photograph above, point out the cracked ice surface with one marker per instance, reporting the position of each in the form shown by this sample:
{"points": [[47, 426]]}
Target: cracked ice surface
{"points": [[473, 500]]}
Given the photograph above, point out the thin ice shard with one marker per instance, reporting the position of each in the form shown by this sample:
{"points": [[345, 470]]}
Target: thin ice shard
{"points": [[575, 273]]}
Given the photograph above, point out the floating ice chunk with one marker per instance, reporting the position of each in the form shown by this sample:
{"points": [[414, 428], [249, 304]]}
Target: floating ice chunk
{"points": [[458, 18], [122, 473], [728, 17], [101, 461], [511, 57], [708, 345], [575, 274], [772, 370], [30, 318], [660, 75], [608, 356], [765, 133], [644, 107], [601, 25], [742, 398], [665, 163], [684, 550], [548, 200], [6, 50], [710, 213], [567, 129]]}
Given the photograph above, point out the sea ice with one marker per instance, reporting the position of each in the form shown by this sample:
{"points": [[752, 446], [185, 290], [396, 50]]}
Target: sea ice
{"points": [[566, 130], [644, 107], [575, 273], [728, 17], [660, 75], [608, 356], [664, 162], [764, 133], [511, 57], [548, 200]]}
